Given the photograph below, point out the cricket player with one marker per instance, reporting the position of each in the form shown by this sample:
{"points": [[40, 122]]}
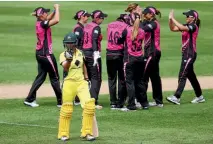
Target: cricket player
{"points": [[133, 36], [134, 8], [189, 32], [114, 61], [44, 54], [91, 49], [75, 83], [152, 53], [82, 17]]}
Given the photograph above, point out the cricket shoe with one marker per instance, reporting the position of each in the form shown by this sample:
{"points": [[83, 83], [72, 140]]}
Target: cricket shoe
{"points": [[138, 105], [125, 109], [199, 99], [113, 107], [99, 107], [119, 106], [64, 138], [59, 106], [173, 99], [32, 104], [152, 104], [89, 138]]}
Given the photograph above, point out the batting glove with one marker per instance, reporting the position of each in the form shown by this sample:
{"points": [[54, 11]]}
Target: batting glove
{"points": [[96, 56], [68, 56]]}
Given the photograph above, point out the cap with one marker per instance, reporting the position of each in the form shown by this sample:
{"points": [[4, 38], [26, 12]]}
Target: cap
{"points": [[192, 13], [123, 17], [81, 13], [149, 9], [98, 14], [39, 11]]}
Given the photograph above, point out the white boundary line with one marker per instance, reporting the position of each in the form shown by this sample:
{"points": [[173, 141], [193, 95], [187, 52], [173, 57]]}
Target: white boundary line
{"points": [[27, 125]]}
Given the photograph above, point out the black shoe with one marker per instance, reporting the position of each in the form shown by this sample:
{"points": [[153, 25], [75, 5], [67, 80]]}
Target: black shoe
{"points": [[119, 106], [132, 108]]}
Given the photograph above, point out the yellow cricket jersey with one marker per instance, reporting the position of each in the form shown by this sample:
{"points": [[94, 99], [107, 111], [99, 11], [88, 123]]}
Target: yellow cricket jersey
{"points": [[76, 67]]}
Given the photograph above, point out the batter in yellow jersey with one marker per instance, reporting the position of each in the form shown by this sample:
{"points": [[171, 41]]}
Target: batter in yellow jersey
{"points": [[74, 84]]}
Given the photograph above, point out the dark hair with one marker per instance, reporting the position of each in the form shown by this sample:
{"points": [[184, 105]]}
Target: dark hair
{"points": [[198, 22], [75, 17], [158, 13]]}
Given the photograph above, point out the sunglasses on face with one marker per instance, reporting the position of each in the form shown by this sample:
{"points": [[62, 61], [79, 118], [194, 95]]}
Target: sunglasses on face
{"points": [[189, 16]]}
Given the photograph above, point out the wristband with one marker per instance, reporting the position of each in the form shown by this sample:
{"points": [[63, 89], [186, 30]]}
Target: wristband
{"points": [[87, 79]]}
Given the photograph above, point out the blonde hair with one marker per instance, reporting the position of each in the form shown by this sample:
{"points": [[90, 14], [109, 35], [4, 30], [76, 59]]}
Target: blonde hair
{"points": [[135, 28], [131, 7]]}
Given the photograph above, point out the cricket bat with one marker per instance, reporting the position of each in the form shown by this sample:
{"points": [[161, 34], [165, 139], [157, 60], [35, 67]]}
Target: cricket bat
{"points": [[95, 127]]}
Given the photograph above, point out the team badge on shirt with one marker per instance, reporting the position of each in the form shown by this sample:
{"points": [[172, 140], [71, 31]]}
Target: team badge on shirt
{"points": [[96, 31], [77, 33]]}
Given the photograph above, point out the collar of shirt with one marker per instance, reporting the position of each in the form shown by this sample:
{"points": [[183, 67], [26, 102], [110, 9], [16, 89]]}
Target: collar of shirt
{"points": [[81, 25]]}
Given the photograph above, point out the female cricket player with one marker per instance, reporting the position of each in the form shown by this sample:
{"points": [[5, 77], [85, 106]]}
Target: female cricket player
{"points": [[133, 63], [114, 61], [152, 54], [82, 17], [91, 50], [134, 8], [189, 32], [44, 54], [75, 83]]}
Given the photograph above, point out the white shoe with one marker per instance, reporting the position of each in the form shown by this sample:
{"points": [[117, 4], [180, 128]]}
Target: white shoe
{"points": [[138, 105], [89, 138], [159, 105], [199, 99], [59, 106], [151, 104], [64, 138], [124, 109], [98, 107], [173, 99], [32, 104], [113, 107], [77, 103]]}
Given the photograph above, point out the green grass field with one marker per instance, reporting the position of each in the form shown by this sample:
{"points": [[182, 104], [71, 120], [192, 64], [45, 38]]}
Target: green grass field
{"points": [[17, 37], [184, 124]]}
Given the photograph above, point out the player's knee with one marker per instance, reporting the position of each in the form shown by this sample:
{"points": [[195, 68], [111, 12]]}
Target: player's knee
{"points": [[66, 110], [89, 107]]}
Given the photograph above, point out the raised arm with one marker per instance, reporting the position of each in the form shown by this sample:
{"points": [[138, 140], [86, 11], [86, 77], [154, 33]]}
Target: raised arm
{"points": [[50, 16], [56, 17], [175, 25], [65, 62]]}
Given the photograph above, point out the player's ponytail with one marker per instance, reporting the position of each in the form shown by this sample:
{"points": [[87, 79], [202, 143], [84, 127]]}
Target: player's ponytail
{"points": [[75, 17], [135, 28], [198, 22], [158, 13]]}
